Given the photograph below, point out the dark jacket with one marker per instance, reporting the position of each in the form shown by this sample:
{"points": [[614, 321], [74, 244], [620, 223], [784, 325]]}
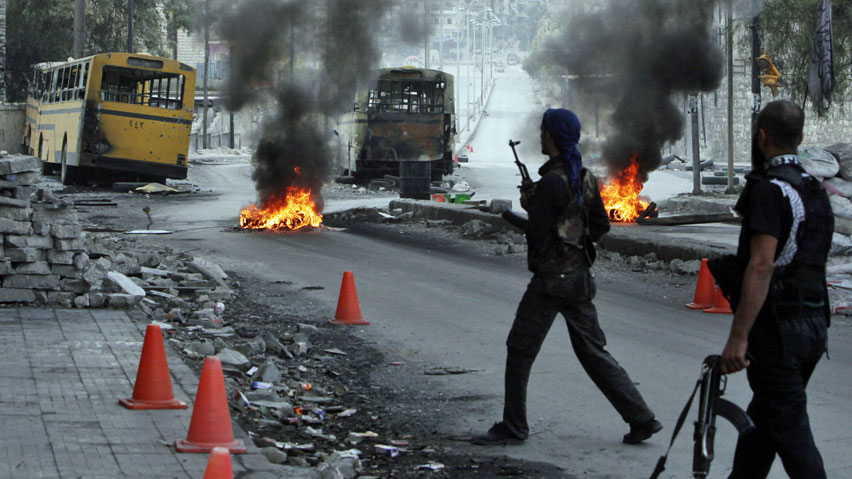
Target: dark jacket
{"points": [[561, 229]]}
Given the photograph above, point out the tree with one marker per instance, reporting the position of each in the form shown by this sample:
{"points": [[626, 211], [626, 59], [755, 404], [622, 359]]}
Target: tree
{"points": [[40, 31], [787, 35]]}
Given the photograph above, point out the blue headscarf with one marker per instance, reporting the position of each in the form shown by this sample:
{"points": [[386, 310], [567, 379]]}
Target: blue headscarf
{"points": [[564, 126]]}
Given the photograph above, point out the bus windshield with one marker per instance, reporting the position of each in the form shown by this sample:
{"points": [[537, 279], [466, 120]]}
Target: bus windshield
{"points": [[142, 87]]}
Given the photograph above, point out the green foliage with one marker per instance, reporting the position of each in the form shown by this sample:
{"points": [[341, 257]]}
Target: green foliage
{"points": [[787, 34], [42, 30]]}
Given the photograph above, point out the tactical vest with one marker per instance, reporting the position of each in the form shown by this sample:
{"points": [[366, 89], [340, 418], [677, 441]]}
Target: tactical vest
{"points": [[801, 283], [569, 245]]}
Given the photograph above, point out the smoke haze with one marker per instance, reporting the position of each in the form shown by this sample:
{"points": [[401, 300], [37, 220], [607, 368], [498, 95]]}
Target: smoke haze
{"points": [[637, 55], [336, 53]]}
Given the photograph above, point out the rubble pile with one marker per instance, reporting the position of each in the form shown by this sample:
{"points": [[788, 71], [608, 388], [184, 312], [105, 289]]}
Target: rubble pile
{"points": [[833, 165], [47, 259], [42, 256]]}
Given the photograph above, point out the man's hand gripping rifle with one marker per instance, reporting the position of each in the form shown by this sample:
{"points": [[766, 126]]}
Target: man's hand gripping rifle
{"points": [[527, 187], [710, 388]]}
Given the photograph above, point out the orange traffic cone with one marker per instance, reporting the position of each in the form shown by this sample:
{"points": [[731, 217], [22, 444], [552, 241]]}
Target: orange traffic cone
{"points": [[210, 425], [348, 309], [153, 389], [219, 465], [720, 305], [705, 289]]}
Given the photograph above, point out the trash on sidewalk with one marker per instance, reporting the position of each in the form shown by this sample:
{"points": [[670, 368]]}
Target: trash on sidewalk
{"points": [[438, 371]]}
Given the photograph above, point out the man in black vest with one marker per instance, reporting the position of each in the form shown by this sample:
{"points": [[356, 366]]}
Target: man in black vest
{"points": [[781, 314], [566, 213]]}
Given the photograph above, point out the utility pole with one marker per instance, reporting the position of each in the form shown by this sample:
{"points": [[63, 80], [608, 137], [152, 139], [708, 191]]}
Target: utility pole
{"points": [[441, 44], [696, 148], [129, 26], [426, 6], [3, 51], [206, 70], [79, 29], [755, 70], [730, 39]]}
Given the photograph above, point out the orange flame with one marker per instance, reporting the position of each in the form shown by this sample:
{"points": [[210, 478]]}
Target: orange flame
{"points": [[293, 211], [621, 195]]}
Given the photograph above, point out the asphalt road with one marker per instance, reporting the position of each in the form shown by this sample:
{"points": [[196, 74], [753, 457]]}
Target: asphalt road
{"points": [[453, 308]]}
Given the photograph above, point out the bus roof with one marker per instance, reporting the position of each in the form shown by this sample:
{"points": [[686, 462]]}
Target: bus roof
{"points": [[410, 73], [117, 57]]}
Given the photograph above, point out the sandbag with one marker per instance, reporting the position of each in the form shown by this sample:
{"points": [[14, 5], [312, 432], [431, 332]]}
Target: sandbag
{"points": [[840, 206], [818, 162], [843, 153], [843, 225], [838, 185]]}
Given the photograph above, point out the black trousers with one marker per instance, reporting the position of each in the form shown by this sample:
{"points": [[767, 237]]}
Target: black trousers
{"points": [[785, 352], [571, 295]]}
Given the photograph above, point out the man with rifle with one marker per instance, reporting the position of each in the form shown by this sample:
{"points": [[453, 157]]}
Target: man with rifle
{"points": [[780, 297], [566, 214]]}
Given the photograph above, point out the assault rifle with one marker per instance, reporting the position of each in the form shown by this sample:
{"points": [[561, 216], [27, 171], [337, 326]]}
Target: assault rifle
{"points": [[525, 175], [710, 386], [510, 216]]}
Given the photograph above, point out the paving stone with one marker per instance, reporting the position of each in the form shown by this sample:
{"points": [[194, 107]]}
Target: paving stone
{"points": [[54, 216], [29, 241], [16, 213], [69, 244], [19, 164], [16, 295], [15, 227], [6, 267], [123, 283], [66, 271]]}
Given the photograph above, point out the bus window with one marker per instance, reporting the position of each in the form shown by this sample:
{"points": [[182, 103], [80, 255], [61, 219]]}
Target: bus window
{"points": [[142, 87]]}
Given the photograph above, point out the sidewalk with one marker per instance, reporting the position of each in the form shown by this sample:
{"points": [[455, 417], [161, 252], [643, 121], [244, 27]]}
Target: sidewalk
{"points": [[63, 374]]}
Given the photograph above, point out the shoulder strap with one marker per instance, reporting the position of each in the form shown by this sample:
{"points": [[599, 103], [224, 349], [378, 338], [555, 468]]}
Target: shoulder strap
{"points": [[661, 462]]}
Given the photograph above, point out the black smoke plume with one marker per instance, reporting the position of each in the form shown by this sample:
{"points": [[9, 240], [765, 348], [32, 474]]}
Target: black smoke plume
{"points": [[336, 53], [635, 56]]}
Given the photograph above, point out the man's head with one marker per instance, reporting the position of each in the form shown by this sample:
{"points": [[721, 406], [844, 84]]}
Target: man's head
{"points": [[778, 129], [560, 131]]}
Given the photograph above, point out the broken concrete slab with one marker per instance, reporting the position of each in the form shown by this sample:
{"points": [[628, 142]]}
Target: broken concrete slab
{"points": [[233, 358], [123, 283]]}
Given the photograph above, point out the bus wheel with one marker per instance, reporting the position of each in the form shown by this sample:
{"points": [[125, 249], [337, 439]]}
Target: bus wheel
{"points": [[68, 171]]}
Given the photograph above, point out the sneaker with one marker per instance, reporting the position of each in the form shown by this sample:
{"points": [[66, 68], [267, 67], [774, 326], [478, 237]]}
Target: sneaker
{"points": [[639, 431], [498, 435]]}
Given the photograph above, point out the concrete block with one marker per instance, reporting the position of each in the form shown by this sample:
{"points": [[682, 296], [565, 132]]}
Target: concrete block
{"points": [[24, 193], [54, 215], [96, 272], [15, 227], [6, 267], [81, 261], [40, 297], [66, 271], [28, 241], [16, 213], [66, 231], [36, 267], [19, 164], [60, 298], [122, 301], [74, 286], [41, 228], [25, 255], [16, 295], [14, 202], [81, 301], [97, 300], [32, 281], [499, 206], [60, 257], [69, 244], [25, 178]]}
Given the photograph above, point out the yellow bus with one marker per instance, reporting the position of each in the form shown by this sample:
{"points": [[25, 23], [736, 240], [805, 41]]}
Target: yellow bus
{"points": [[126, 114]]}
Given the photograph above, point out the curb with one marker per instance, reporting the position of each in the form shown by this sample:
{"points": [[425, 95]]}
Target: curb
{"points": [[627, 240]]}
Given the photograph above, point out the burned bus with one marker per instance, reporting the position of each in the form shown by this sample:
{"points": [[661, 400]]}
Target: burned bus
{"points": [[408, 115]]}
